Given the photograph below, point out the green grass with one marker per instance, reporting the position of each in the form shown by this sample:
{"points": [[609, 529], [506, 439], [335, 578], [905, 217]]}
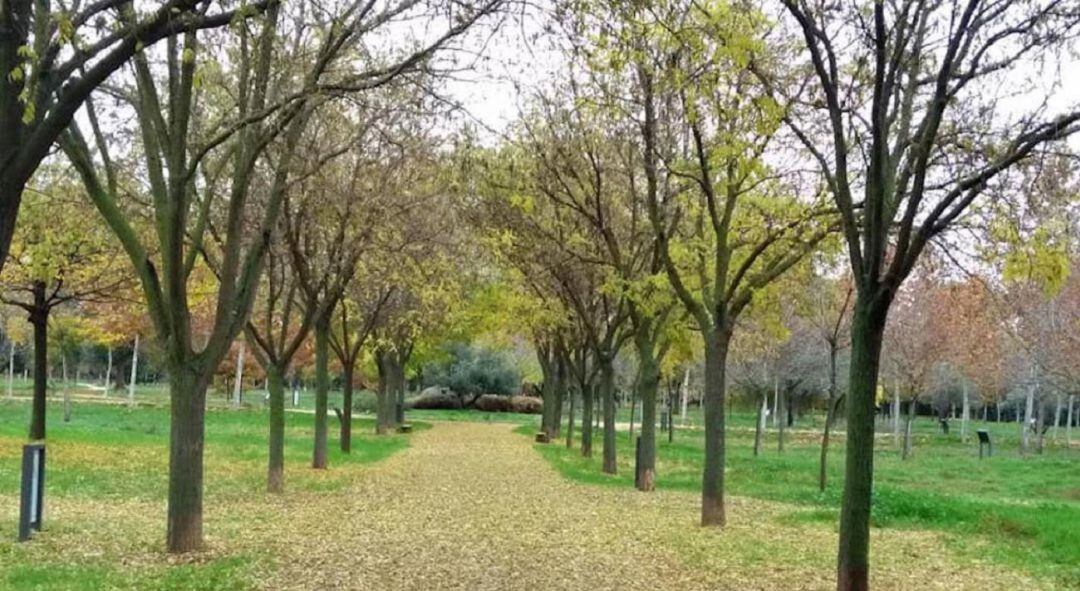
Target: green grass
{"points": [[108, 455], [1027, 510]]}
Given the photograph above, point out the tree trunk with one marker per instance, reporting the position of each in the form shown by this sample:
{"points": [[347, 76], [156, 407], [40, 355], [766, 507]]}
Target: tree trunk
{"points": [[759, 429], [346, 406], [1057, 415], [187, 394], [108, 373], [607, 390], [134, 370], [39, 319], [11, 371], [781, 407], [67, 388], [560, 395], [867, 330], [712, 481], [1069, 423], [547, 391], [965, 415], [685, 396], [588, 400], [648, 383], [830, 412], [776, 404], [570, 421], [1029, 410], [633, 410], [238, 390], [322, 391], [275, 470], [906, 452], [896, 416]]}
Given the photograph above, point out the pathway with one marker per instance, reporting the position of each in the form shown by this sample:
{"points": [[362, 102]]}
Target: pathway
{"points": [[473, 506]]}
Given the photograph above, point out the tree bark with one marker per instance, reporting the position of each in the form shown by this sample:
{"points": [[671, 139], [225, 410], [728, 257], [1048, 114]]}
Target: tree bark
{"points": [[67, 388], [781, 407], [717, 343], [759, 428], [867, 330], [896, 416], [134, 370], [1025, 425], [685, 396], [39, 320], [830, 412], [187, 394], [560, 394], [607, 390], [907, 429], [322, 391], [11, 371], [648, 383], [570, 421], [1069, 423], [238, 390], [588, 399], [275, 470], [346, 404], [108, 373], [966, 412]]}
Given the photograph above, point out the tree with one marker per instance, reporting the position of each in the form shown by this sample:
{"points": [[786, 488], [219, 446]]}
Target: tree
{"points": [[829, 314], [906, 93], [169, 119], [57, 257], [52, 60]]}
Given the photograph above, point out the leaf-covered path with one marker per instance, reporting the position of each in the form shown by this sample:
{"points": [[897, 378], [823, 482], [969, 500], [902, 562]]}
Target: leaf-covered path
{"points": [[473, 506]]}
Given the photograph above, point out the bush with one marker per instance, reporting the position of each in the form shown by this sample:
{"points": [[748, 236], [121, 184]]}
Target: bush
{"points": [[472, 371], [364, 401], [522, 404]]}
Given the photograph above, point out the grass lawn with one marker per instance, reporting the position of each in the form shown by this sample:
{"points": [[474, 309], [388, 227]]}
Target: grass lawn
{"points": [[107, 478], [1020, 512]]}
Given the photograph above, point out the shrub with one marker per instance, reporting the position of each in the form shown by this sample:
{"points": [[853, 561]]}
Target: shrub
{"points": [[435, 399], [472, 371]]}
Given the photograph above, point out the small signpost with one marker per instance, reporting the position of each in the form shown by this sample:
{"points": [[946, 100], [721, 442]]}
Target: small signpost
{"points": [[32, 499], [984, 439]]}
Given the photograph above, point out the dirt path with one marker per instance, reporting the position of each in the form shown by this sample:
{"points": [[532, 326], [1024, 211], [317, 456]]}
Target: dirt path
{"points": [[473, 506]]}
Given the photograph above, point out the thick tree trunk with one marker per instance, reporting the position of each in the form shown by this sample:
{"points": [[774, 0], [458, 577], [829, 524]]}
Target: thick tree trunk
{"points": [[607, 390], [275, 471], [39, 319], [187, 394], [588, 401], [712, 483], [830, 412], [322, 391], [346, 407], [648, 383], [387, 396], [867, 330]]}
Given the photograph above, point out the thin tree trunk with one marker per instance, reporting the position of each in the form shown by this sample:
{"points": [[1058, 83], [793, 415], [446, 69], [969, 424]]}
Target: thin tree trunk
{"points": [[570, 421], [187, 394], [1029, 410], [275, 470], [759, 430], [560, 395], [1069, 423], [11, 371], [134, 370], [685, 395], [346, 407], [1057, 416], [108, 373], [67, 388], [607, 390], [906, 453], [867, 330], [322, 391], [633, 410], [896, 415], [712, 485], [964, 417], [776, 404], [781, 407], [238, 389], [830, 415]]}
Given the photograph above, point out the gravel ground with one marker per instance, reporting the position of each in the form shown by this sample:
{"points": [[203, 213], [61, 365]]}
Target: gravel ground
{"points": [[473, 506]]}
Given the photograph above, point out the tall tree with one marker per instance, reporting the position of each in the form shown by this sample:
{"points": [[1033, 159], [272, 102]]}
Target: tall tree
{"points": [[908, 92]]}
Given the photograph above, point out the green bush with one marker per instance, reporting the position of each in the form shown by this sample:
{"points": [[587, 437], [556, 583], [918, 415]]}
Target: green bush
{"points": [[471, 371]]}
